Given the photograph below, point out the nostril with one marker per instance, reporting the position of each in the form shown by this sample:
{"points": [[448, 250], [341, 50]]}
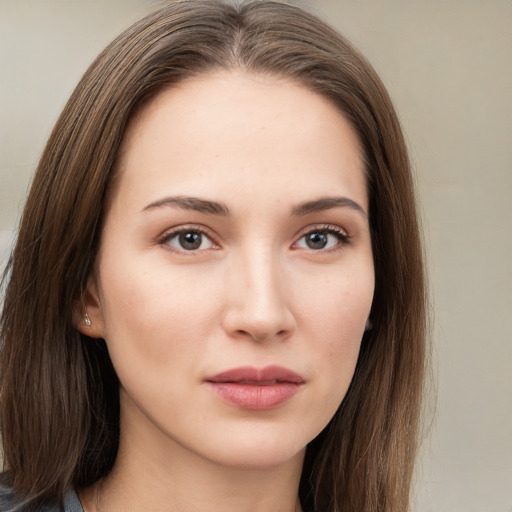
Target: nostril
{"points": [[257, 310], [263, 334]]}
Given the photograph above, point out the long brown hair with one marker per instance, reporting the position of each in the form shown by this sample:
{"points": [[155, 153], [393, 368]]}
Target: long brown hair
{"points": [[59, 392]]}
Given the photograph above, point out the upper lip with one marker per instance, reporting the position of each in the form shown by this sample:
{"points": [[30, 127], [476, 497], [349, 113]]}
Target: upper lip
{"points": [[250, 375]]}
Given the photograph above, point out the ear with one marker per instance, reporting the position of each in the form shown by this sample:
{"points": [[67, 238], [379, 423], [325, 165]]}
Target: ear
{"points": [[88, 312]]}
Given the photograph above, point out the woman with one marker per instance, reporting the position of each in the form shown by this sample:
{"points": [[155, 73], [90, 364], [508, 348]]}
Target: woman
{"points": [[216, 299]]}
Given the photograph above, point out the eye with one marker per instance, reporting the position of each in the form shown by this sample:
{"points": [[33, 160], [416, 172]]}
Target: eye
{"points": [[322, 239], [188, 240]]}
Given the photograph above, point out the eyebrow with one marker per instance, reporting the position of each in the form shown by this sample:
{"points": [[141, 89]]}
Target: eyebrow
{"points": [[217, 208], [191, 203], [326, 203]]}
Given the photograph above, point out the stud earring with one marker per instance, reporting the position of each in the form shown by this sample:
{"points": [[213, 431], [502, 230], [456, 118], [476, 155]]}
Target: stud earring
{"points": [[87, 320]]}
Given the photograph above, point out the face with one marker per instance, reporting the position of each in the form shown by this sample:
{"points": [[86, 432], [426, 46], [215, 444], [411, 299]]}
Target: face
{"points": [[235, 273]]}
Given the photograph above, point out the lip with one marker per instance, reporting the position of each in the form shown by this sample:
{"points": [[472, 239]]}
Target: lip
{"points": [[253, 388]]}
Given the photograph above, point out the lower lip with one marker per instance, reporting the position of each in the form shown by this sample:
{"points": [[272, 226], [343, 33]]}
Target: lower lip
{"points": [[254, 397]]}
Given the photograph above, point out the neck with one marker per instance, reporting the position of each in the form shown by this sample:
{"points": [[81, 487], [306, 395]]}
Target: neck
{"points": [[192, 490], [167, 477]]}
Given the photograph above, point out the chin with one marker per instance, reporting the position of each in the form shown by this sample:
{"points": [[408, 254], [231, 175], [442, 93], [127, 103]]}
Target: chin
{"points": [[259, 450], [265, 458]]}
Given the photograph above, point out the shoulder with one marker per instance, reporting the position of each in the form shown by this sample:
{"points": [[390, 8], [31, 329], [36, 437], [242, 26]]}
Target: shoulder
{"points": [[7, 498], [9, 503], [72, 503]]}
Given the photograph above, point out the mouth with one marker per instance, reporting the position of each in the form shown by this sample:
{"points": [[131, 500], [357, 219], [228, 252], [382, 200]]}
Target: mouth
{"points": [[256, 389]]}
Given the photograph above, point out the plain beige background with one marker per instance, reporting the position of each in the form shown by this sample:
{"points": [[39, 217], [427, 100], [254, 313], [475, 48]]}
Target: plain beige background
{"points": [[448, 66]]}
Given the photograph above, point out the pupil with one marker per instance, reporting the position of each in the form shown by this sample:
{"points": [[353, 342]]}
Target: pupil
{"points": [[316, 240], [190, 240]]}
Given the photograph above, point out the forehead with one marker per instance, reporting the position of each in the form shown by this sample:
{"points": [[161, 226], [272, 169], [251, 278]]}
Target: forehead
{"points": [[225, 129]]}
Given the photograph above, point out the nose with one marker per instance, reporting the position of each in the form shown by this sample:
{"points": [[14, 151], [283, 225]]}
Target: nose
{"points": [[258, 299]]}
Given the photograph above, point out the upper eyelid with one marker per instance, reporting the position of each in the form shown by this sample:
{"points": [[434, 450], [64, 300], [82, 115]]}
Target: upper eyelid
{"points": [[171, 232], [344, 238], [322, 227], [187, 227]]}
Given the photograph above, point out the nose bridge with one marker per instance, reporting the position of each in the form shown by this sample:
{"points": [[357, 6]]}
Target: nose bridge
{"points": [[259, 302], [261, 274]]}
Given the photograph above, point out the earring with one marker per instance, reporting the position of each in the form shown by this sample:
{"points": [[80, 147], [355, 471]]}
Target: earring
{"points": [[369, 325], [87, 320]]}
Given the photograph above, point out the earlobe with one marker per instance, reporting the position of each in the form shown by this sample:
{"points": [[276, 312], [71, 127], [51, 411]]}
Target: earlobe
{"points": [[89, 314], [87, 320]]}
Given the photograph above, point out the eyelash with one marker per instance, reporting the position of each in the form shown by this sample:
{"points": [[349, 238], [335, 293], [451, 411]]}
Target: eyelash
{"points": [[169, 235], [343, 237]]}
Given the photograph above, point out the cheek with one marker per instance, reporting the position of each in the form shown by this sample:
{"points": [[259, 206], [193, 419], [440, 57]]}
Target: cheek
{"points": [[155, 315], [333, 317], [338, 304]]}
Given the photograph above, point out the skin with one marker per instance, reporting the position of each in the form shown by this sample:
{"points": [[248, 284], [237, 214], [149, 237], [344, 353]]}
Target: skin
{"points": [[254, 293]]}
